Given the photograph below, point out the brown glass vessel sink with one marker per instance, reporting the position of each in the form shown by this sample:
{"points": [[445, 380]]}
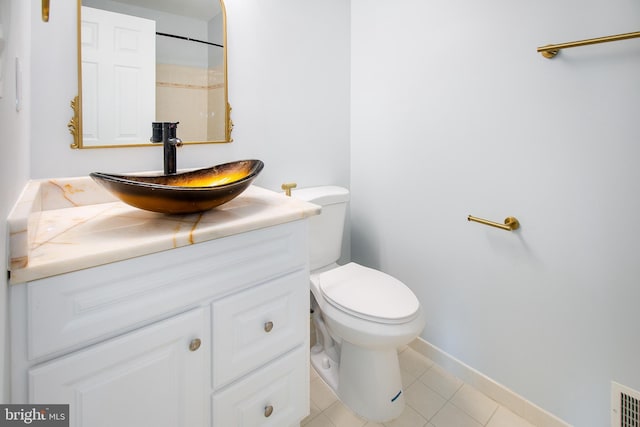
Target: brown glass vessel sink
{"points": [[184, 192]]}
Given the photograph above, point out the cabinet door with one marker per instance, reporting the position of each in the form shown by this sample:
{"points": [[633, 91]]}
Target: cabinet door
{"points": [[154, 376]]}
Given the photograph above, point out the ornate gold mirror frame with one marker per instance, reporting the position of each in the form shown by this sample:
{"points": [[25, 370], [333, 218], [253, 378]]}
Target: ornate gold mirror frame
{"points": [[75, 125]]}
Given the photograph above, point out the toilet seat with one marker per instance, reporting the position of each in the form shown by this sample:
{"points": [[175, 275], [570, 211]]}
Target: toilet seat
{"points": [[368, 294]]}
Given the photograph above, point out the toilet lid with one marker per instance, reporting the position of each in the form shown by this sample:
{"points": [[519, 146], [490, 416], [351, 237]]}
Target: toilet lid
{"points": [[368, 294]]}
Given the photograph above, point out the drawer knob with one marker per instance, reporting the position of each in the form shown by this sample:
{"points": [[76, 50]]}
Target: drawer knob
{"points": [[195, 344], [268, 410], [268, 326]]}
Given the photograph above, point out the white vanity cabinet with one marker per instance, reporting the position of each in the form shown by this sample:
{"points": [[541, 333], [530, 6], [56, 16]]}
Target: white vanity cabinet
{"points": [[211, 334]]}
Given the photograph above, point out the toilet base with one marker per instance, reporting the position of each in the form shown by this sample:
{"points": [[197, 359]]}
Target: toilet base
{"points": [[367, 381], [325, 367]]}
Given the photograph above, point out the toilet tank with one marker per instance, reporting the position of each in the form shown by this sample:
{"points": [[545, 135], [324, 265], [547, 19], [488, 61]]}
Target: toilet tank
{"points": [[325, 230]]}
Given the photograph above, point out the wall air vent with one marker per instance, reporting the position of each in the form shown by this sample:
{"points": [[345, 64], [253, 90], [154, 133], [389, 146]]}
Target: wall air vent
{"points": [[625, 406]]}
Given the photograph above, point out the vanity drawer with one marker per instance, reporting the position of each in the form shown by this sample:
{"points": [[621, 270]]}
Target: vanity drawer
{"points": [[275, 396], [254, 326]]}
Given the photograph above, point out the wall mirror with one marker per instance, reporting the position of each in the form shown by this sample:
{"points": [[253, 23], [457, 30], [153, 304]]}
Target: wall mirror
{"points": [[144, 61]]}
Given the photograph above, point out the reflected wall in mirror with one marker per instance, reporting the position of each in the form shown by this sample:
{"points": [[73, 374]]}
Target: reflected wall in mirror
{"points": [[144, 61]]}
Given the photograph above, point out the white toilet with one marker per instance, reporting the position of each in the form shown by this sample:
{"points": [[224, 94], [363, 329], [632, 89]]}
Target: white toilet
{"points": [[361, 316]]}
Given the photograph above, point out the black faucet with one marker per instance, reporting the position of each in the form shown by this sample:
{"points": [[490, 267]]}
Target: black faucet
{"points": [[165, 132]]}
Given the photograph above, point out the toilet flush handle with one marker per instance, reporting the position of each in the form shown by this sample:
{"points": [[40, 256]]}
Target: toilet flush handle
{"points": [[287, 186]]}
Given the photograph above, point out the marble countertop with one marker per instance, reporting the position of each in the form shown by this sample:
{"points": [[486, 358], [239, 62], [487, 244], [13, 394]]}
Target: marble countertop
{"points": [[68, 224]]}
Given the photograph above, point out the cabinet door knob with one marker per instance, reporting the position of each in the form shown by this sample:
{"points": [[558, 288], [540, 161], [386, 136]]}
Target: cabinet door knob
{"points": [[268, 326], [268, 410], [195, 344]]}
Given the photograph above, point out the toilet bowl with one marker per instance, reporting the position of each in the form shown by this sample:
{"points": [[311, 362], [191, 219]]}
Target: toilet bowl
{"points": [[361, 317]]}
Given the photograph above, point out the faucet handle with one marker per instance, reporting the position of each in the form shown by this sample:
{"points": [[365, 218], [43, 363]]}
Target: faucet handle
{"points": [[156, 132], [287, 186], [162, 130]]}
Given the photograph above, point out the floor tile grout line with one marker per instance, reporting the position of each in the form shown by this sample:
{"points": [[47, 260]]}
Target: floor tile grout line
{"points": [[450, 399], [492, 415], [471, 415]]}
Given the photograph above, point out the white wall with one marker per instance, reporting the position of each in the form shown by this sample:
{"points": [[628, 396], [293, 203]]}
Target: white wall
{"points": [[454, 113], [288, 87], [14, 160]]}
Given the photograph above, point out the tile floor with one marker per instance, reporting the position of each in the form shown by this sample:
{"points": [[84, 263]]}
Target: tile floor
{"points": [[434, 399]]}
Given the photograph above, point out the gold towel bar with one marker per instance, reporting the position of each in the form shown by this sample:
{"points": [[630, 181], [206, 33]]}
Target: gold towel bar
{"points": [[510, 223], [552, 50]]}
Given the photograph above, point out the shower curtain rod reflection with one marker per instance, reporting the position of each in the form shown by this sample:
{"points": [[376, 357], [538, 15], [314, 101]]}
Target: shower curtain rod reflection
{"points": [[188, 39]]}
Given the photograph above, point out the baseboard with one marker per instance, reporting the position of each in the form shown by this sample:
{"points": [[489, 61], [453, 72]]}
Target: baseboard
{"points": [[501, 394]]}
